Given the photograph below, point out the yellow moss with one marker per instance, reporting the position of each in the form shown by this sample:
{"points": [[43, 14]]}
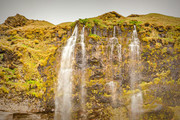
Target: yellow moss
{"points": [[157, 80], [145, 85], [36, 41], [4, 89], [158, 45]]}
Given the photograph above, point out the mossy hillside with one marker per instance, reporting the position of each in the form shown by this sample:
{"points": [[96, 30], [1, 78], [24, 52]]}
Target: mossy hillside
{"points": [[38, 50], [160, 53], [28, 54]]}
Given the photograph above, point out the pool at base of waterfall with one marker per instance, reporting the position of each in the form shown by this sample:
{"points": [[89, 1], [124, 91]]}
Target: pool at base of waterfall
{"points": [[26, 116]]}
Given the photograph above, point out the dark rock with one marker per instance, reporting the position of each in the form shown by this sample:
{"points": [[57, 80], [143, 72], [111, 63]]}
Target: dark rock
{"points": [[97, 86], [98, 33], [170, 51], [160, 28], [94, 62], [16, 21], [69, 33], [117, 77], [92, 41], [60, 38], [162, 35], [104, 99], [2, 51], [79, 59], [105, 32], [146, 24], [97, 75], [133, 15], [110, 33], [119, 30]]}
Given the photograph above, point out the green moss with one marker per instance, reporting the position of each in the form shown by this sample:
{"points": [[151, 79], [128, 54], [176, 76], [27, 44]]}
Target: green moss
{"points": [[134, 22], [95, 37], [83, 21], [1, 56]]}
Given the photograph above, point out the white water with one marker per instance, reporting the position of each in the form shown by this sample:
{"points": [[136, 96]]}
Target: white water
{"points": [[136, 99], [83, 84], [64, 91], [114, 43], [113, 87], [136, 105]]}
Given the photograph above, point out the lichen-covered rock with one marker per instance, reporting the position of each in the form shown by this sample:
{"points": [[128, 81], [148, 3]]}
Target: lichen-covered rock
{"points": [[16, 21], [30, 53]]}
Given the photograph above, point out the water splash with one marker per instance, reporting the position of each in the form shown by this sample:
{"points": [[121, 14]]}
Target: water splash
{"points": [[64, 91], [83, 84], [136, 105], [136, 99], [112, 85]]}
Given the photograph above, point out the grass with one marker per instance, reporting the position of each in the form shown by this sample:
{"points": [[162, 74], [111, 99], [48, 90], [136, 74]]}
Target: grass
{"points": [[157, 19]]}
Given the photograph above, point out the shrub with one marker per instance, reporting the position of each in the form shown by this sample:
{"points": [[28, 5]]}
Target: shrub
{"points": [[83, 21], [135, 22], [96, 21]]}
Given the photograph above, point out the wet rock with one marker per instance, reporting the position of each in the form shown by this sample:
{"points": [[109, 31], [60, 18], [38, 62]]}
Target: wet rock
{"points": [[162, 35], [105, 32], [78, 59], [119, 31], [97, 86], [97, 75], [93, 30], [94, 62], [50, 104], [117, 77], [110, 33], [69, 33], [92, 41], [104, 99]]}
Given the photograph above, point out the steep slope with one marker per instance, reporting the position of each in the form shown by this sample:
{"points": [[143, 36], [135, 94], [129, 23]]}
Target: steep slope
{"points": [[30, 52]]}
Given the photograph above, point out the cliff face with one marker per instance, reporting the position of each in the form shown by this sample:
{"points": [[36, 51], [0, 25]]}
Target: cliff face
{"points": [[30, 55]]}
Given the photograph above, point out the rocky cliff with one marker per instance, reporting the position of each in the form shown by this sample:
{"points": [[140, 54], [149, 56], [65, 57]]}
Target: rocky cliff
{"points": [[30, 53]]}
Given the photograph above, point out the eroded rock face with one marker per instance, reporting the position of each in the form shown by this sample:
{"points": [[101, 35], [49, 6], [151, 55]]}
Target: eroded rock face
{"points": [[16, 21], [94, 62], [29, 63]]}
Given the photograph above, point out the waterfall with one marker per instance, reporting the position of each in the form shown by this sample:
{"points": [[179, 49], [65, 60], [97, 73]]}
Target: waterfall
{"points": [[64, 90], [136, 99], [83, 90], [113, 87], [114, 32], [114, 44]]}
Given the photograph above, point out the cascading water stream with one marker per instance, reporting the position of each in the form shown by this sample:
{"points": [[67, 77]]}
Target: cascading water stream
{"points": [[83, 65], [114, 43], [136, 99], [64, 91]]}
